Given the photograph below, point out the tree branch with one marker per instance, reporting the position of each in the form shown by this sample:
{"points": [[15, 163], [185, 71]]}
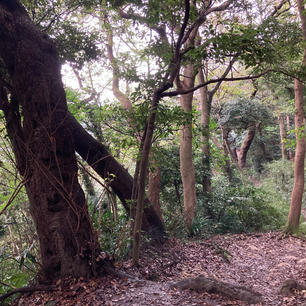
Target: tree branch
{"points": [[183, 92], [123, 99], [225, 73], [278, 7], [208, 10]]}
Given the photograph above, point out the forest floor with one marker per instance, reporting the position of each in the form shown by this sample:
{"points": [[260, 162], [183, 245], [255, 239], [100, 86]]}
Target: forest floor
{"points": [[261, 262]]}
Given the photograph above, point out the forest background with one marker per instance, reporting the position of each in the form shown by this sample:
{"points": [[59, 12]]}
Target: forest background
{"points": [[201, 101]]}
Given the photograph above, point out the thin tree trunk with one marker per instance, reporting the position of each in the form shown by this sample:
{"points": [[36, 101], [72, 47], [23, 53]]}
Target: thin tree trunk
{"points": [[282, 132], [205, 103], [246, 145], [227, 166], [154, 189], [298, 185], [227, 148], [290, 152], [141, 184], [154, 186], [186, 161]]}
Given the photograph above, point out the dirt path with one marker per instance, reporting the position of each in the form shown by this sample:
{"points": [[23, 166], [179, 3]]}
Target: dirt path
{"points": [[258, 261]]}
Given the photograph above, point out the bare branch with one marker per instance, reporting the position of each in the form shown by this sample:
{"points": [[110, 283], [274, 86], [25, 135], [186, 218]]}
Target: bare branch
{"points": [[278, 7], [123, 99], [183, 92], [160, 30], [183, 28], [225, 73], [203, 15], [13, 196]]}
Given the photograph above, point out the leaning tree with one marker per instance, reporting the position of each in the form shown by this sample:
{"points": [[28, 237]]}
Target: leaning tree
{"points": [[34, 105]]}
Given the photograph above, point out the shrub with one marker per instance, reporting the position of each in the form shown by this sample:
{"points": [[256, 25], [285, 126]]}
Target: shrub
{"points": [[237, 208]]}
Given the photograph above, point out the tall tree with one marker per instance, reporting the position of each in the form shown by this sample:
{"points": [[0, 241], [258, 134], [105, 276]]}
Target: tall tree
{"points": [[186, 160], [41, 138], [154, 177], [299, 159]]}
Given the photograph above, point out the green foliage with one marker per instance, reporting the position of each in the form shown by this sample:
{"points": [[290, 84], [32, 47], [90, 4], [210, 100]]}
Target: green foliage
{"points": [[75, 45], [115, 237], [18, 248], [236, 208], [302, 230], [18, 258], [13, 271], [277, 179], [238, 114], [272, 42]]}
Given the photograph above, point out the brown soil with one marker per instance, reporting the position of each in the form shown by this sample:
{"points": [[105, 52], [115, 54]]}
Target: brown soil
{"points": [[261, 262]]}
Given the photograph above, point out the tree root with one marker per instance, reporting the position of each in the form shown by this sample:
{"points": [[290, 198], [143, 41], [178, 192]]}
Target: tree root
{"points": [[27, 289], [289, 285], [211, 285]]}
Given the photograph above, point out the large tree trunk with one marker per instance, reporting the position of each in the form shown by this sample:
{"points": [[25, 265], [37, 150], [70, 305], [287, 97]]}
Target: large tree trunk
{"points": [[186, 160], [298, 185], [43, 147], [98, 157]]}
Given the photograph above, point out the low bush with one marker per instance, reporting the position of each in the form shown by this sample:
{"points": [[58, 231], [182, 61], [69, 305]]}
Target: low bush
{"points": [[238, 207]]}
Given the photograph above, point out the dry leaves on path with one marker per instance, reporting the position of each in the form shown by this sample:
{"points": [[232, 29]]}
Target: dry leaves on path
{"points": [[258, 261]]}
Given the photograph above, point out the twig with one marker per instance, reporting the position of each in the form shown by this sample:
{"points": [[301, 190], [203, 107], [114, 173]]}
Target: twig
{"points": [[13, 196], [7, 285]]}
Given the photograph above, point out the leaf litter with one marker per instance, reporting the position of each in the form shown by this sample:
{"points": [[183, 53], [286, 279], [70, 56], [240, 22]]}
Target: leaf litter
{"points": [[261, 262]]}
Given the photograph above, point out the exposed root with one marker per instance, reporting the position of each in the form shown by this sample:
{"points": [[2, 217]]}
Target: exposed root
{"points": [[211, 285], [289, 285], [27, 289]]}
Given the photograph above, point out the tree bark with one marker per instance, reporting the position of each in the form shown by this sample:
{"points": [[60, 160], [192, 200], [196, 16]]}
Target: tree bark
{"points": [[246, 145], [227, 148], [154, 189], [290, 152], [205, 103], [43, 147], [141, 177], [298, 185], [299, 159], [227, 166], [186, 160], [282, 132], [98, 157]]}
